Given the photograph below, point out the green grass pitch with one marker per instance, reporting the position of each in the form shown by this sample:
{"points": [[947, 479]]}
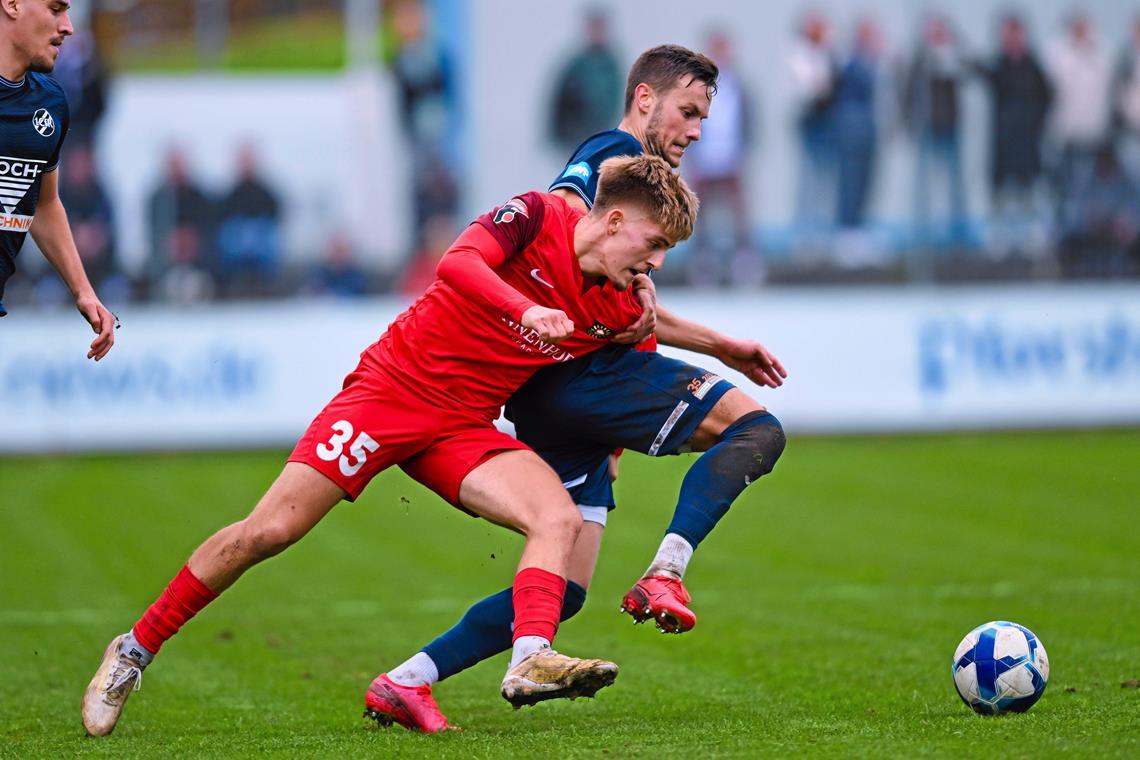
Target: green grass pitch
{"points": [[829, 601]]}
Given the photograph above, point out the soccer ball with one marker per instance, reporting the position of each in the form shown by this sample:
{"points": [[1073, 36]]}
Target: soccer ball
{"points": [[1000, 667]]}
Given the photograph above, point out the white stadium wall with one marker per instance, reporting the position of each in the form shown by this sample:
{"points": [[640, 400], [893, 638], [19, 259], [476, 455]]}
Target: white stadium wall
{"points": [[859, 360], [331, 146]]}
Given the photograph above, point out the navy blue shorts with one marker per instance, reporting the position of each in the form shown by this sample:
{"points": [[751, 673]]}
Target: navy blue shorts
{"points": [[576, 413]]}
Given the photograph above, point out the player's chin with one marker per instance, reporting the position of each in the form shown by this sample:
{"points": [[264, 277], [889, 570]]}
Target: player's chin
{"points": [[44, 64]]}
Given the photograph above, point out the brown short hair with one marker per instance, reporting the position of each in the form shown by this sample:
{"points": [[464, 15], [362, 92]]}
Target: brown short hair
{"points": [[648, 181], [660, 68]]}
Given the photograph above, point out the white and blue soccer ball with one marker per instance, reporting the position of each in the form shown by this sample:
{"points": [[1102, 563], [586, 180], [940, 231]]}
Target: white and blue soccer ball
{"points": [[1000, 667]]}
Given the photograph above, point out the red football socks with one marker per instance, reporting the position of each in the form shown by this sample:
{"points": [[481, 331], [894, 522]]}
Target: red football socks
{"points": [[183, 599], [537, 598]]}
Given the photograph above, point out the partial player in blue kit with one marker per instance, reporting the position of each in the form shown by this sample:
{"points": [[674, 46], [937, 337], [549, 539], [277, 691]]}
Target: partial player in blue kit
{"points": [[574, 415], [33, 123]]}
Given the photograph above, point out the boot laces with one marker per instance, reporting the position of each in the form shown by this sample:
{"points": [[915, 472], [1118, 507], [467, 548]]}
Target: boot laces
{"points": [[124, 677]]}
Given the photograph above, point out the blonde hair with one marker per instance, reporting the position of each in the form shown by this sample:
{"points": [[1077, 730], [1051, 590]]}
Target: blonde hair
{"points": [[648, 181]]}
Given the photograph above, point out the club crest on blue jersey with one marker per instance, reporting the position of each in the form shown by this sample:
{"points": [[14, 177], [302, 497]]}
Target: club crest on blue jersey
{"points": [[581, 170], [599, 331], [507, 211], [43, 122]]}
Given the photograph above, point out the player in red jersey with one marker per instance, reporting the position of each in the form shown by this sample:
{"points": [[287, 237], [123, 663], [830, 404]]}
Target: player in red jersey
{"points": [[521, 288]]}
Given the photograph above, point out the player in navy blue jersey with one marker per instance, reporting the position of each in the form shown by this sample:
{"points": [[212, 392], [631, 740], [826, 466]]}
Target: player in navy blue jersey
{"points": [[576, 414], [33, 124]]}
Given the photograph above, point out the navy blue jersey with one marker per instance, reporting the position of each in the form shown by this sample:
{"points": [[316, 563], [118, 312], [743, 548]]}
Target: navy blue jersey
{"points": [[574, 414], [33, 122], [581, 173]]}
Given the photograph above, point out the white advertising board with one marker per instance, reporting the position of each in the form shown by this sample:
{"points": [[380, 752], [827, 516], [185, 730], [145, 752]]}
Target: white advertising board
{"points": [[858, 360]]}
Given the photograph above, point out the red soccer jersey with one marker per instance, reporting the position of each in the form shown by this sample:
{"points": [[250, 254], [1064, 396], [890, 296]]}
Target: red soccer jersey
{"points": [[461, 345]]}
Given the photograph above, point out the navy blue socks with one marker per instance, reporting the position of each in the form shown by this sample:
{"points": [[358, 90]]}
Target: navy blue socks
{"points": [[485, 630]]}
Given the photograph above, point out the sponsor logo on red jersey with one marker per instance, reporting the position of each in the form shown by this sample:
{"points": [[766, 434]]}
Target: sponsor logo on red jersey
{"points": [[507, 211], [527, 339], [599, 331]]}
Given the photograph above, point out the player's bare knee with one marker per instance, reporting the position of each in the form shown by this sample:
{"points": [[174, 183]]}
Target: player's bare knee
{"points": [[570, 524], [567, 523], [561, 522]]}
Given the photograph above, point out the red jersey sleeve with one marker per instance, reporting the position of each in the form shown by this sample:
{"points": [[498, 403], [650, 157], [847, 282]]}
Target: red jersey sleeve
{"points": [[468, 266], [516, 223]]}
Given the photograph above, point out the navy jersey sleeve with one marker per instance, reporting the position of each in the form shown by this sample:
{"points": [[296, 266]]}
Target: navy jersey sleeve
{"points": [[581, 173], [516, 223]]}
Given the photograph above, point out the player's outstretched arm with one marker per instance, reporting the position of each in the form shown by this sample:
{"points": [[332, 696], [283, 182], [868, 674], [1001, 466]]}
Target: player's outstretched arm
{"points": [[749, 357], [53, 236]]}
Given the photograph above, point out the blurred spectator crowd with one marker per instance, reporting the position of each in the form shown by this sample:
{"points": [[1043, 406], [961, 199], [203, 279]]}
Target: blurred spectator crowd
{"points": [[1063, 167], [1062, 150]]}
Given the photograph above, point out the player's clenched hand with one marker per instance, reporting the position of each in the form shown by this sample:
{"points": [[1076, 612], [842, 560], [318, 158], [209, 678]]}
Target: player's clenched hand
{"points": [[102, 321], [646, 293], [757, 363], [551, 325]]}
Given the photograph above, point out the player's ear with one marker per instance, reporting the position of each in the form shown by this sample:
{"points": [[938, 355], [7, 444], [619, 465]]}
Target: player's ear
{"points": [[614, 218], [11, 7], [644, 96]]}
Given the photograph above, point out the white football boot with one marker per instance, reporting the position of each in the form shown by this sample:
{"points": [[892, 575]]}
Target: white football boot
{"points": [[116, 678], [545, 674]]}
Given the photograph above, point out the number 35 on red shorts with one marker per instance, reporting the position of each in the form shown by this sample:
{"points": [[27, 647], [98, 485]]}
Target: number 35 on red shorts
{"points": [[374, 423]]}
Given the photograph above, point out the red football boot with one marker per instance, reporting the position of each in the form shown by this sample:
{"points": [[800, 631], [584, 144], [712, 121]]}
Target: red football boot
{"points": [[413, 707], [662, 599]]}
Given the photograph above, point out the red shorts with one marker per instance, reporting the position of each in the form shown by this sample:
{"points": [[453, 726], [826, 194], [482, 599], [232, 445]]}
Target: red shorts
{"points": [[376, 422]]}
